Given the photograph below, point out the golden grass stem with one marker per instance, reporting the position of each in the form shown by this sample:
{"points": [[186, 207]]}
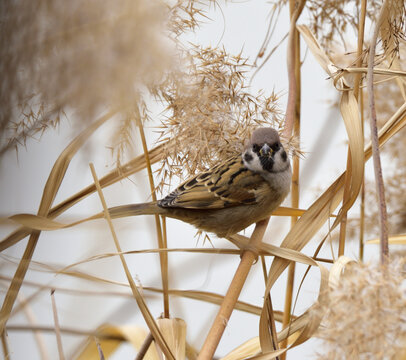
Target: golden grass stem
{"points": [[346, 196], [361, 30], [144, 347], [362, 204], [57, 327], [360, 98], [383, 217], [137, 295], [230, 299], [4, 345], [63, 330], [295, 179], [291, 106], [163, 257], [357, 82]]}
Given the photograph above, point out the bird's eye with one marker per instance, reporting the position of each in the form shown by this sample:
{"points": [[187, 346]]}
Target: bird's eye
{"points": [[255, 148], [276, 146]]}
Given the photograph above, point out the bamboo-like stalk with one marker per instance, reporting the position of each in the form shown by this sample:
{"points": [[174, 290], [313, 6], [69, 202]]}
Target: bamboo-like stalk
{"points": [[137, 295], [163, 256], [247, 259], [295, 182], [383, 217], [57, 327]]}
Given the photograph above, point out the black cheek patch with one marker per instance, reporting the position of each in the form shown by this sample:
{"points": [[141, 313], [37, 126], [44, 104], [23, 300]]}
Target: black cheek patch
{"points": [[248, 158], [284, 156]]}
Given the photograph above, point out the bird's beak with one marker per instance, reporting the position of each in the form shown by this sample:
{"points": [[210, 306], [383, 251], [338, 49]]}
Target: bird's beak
{"points": [[265, 150]]}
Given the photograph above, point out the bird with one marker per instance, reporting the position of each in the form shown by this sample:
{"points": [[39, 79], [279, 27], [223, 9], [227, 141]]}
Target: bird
{"points": [[231, 195]]}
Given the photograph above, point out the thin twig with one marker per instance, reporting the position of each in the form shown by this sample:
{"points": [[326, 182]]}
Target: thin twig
{"points": [[57, 327], [248, 258], [383, 218], [144, 347]]}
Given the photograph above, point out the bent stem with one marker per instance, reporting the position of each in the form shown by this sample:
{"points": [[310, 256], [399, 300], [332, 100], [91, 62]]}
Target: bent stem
{"points": [[248, 257]]}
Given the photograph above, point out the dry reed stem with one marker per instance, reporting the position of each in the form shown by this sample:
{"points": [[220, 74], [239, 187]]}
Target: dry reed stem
{"points": [[4, 345], [248, 258], [295, 182], [362, 203], [144, 348], [383, 220], [57, 327], [359, 95], [291, 105], [159, 339], [163, 257], [51, 188]]}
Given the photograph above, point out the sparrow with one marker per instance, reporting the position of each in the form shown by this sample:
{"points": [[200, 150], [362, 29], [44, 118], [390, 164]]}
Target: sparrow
{"points": [[232, 195]]}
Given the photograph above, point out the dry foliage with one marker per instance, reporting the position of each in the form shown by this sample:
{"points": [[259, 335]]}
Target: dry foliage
{"points": [[210, 111], [113, 57], [365, 314]]}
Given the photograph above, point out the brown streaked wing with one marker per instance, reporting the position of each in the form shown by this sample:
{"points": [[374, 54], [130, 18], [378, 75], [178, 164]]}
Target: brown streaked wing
{"points": [[228, 184]]}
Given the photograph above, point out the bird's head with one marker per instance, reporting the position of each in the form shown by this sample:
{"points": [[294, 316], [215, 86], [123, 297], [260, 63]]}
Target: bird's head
{"points": [[265, 153]]}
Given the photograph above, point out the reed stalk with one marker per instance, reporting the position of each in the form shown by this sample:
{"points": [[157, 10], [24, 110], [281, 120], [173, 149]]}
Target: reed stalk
{"points": [[295, 182], [380, 189], [248, 257]]}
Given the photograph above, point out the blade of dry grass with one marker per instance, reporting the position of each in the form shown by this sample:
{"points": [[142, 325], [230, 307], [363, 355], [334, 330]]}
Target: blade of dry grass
{"points": [[114, 176], [37, 222], [111, 337], [153, 327], [174, 331], [393, 240], [51, 188]]}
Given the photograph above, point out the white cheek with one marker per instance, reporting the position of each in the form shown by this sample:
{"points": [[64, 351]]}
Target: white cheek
{"points": [[279, 164], [254, 164]]}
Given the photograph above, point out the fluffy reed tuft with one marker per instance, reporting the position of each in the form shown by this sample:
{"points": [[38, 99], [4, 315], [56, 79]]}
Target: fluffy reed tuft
{"points": [[210, 112], [82, 55], [365, 314]]}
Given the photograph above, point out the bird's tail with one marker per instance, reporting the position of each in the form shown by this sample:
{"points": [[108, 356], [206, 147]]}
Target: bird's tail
{"points": [[149, 208]]}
